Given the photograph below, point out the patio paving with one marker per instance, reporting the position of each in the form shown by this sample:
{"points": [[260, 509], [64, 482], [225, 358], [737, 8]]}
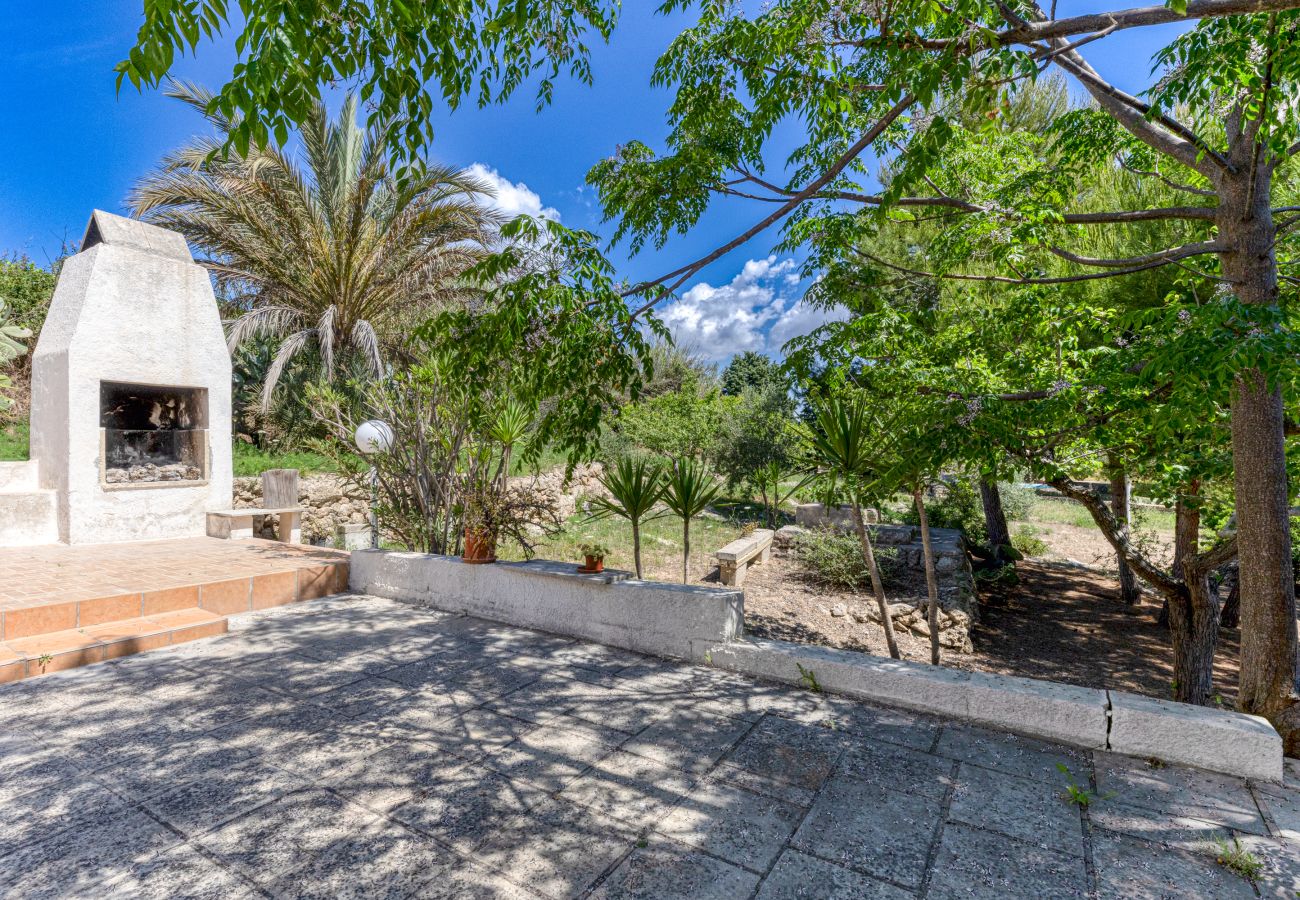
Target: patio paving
{"points": [[359, 747]]}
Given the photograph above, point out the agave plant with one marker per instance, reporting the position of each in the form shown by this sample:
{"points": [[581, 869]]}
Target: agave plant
{"points": [[842, 445], [335, 255], [11, 347], [689, 488], [634, 488]]}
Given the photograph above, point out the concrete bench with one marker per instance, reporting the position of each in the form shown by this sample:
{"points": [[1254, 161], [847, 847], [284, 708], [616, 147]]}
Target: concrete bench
{"points": [[236, 524], [735, 559]]}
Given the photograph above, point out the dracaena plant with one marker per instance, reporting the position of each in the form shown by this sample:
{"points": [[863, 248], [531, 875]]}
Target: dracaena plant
{"points": [[689, 488], [633, 487]]}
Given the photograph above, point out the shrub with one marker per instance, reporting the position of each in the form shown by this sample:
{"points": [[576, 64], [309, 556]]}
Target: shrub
{"points": [[834, 559], [1026, 540]]}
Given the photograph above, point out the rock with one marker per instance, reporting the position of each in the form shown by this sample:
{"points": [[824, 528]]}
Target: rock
{"points": [[921, 627], [838, 610], [787, 535]]}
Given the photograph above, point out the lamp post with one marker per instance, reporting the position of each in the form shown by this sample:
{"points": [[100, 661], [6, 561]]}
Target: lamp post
{"points": [[374, 436]]}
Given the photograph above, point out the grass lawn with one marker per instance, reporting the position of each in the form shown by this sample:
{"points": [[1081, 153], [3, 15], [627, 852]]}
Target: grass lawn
{"points": [[13, 441], [250, 461], [661, 544], [1067, 512]]}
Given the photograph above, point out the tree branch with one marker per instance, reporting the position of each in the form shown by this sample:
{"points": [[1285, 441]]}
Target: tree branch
{"points": [[1171, 255]]}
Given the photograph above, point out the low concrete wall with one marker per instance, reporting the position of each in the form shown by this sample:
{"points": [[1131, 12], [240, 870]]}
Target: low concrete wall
{"points": [[611, 608], [705, 624], [1218, 740]]}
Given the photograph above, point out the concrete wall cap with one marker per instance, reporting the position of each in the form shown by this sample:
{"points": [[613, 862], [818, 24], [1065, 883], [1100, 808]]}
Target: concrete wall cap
{"points": [[106, 228]]}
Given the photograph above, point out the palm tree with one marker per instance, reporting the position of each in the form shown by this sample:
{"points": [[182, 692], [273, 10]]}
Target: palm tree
{"points": [[842, 444], [688, 490], [336, 254], [634, 488]]}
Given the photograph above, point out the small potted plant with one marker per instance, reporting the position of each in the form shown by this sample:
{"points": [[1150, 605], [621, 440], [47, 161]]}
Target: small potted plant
{"points": [[480, 544], [595, 558]]}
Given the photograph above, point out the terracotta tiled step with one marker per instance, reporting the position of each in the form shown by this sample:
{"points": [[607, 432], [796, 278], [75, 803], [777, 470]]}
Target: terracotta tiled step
{"points": [[57, 609], [51, 652]]}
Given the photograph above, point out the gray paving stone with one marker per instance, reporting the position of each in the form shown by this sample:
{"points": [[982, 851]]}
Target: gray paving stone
{"points": [[380, 860], [181, 872], [286, 835], [688, 739], [1279, 875], [629, 713], [872, 828], [1178, 832], [798, 876], [979, 865], [1033, 811], [1283, 804], [198, 806], [395, 775], [1128, 868], [901, 769], [35, 816], [1012, 753], [364, 695], [1176, 791], [183, 761], [800, 755], [732, 823], [664, 871], [726, 773], [76, 861], [468, 806], [558, 849], [553, 755], [859, 724], [624, 786], [44, 769], [328, 752], [477, 733]]}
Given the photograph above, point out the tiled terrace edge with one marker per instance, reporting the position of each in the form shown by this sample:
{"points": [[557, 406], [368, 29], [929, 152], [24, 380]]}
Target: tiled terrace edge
{"points": [[705, 624]]}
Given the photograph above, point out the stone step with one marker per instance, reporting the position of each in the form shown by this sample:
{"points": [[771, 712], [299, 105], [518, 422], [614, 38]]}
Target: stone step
{"points": [[19, 476], [41, 654], [28, 517]]}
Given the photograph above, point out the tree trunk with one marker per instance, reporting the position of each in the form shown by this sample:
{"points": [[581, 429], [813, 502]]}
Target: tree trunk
{"points": [[1231, 615], [1267, 684], [686, 546], [995, 519], [1121, 506], [636, 547], [877, 586], [931, 580], [1194, 629], [1193, 612]]}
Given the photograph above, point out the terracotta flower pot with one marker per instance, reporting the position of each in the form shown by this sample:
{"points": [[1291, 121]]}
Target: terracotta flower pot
{"points": [[480, 547], [594, 564]]}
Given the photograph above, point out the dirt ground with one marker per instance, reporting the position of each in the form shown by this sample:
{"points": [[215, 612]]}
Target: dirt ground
{"points": [[1060, 623]]}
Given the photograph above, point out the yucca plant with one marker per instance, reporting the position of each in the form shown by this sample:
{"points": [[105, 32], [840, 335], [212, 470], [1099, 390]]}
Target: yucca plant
{"points": [[634, 488], [689, 488], [841, 446], [11, 347]]}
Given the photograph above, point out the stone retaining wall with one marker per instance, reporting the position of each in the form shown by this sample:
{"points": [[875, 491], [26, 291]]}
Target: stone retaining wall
{"points": [[958, 604]]}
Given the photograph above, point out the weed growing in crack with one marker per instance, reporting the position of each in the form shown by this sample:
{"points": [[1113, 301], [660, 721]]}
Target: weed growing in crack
{"points": [[1237, 859], [808, 679]]}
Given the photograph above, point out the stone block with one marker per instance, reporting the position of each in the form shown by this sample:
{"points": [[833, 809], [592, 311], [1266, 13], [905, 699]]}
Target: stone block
{"points": [[1041, 709], [1215, 739]]}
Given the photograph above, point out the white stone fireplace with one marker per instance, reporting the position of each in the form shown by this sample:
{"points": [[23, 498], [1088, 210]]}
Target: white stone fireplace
{"points": [[131, 389]]}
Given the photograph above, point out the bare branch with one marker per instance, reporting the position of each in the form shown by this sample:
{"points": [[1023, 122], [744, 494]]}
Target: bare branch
{"points": [[1186, 251], [1003, 279]]}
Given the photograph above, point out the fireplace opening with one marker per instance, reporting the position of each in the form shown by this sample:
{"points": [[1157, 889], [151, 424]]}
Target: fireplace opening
{"points": [[153, 433]]}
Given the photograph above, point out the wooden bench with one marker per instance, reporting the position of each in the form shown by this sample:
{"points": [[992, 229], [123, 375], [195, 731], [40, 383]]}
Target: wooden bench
{"points": [[237, 524], [735, 559], [280, 494]]}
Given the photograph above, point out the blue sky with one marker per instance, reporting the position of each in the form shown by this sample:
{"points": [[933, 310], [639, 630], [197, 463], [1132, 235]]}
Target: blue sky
{"points": [[72, 143]]}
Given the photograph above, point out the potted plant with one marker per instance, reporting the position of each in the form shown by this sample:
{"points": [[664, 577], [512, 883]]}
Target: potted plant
{"points": [[595, 558], [480, 544]]}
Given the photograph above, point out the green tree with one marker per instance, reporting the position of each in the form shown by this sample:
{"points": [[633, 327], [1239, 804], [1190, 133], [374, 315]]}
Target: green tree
{"points": [[335, 255], [751, 370], [756, 442], [12, 346], [26, 289]]}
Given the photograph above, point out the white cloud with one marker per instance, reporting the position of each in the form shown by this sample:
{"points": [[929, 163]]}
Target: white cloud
{"points": [[760, 309], [513, 198]]}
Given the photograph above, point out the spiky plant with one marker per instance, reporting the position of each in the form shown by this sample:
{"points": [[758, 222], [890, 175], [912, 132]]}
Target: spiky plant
{"points": [[333, 253], [11, 347], [634, 488], [842, 446], [689, 488]]}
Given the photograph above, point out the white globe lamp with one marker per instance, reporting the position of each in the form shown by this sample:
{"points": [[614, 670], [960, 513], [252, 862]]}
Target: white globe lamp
{"points": [[374, 436]]}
